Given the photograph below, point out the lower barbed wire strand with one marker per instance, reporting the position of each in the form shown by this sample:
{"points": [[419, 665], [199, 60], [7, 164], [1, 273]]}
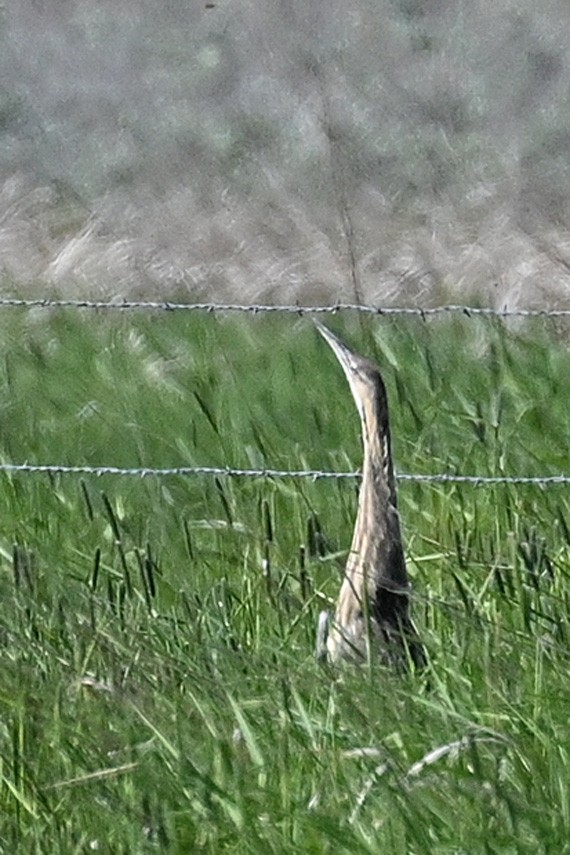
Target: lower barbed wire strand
{"points": [[315, 474]]}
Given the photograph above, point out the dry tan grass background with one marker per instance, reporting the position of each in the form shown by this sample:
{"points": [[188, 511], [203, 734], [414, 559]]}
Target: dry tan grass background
{"points": [[394, 152]]}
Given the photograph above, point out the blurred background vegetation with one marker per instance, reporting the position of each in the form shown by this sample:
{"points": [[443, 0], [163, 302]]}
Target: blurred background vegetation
{"points": [[383, 150]]}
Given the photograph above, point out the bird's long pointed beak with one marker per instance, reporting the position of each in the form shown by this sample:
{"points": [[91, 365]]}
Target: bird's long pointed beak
{"points": [[343, 353], [348, 361]]}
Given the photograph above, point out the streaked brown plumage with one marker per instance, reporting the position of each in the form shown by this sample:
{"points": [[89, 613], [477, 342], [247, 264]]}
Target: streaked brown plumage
{"points": [[372, 612]]}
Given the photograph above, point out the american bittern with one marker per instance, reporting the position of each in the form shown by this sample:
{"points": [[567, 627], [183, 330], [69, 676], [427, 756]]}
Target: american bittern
{"points": [[372, 613]]}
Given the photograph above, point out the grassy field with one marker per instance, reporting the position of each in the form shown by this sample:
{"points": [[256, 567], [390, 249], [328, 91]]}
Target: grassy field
{"points": [[158, 688]]}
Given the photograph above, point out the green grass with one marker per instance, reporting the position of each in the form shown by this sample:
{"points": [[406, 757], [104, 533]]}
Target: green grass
{"points": [[158, 689]]}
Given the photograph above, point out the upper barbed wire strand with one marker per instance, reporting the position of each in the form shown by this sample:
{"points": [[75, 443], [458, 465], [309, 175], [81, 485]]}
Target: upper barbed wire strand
{"points": [[125, 305]]}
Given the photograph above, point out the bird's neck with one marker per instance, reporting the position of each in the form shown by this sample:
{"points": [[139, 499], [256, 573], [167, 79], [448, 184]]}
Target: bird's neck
{"points": [[377, 496], [376, 550], [378, 483]]}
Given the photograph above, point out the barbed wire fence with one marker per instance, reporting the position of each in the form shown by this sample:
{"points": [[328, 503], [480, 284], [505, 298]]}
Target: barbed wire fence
{"points": [[255, 309]]}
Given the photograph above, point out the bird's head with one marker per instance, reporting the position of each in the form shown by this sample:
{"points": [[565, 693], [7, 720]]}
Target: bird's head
{"points": [[363, 377]]}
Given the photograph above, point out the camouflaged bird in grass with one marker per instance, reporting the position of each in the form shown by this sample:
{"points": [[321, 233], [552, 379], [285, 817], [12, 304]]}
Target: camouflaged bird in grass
{"points": [[372, 615]]}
